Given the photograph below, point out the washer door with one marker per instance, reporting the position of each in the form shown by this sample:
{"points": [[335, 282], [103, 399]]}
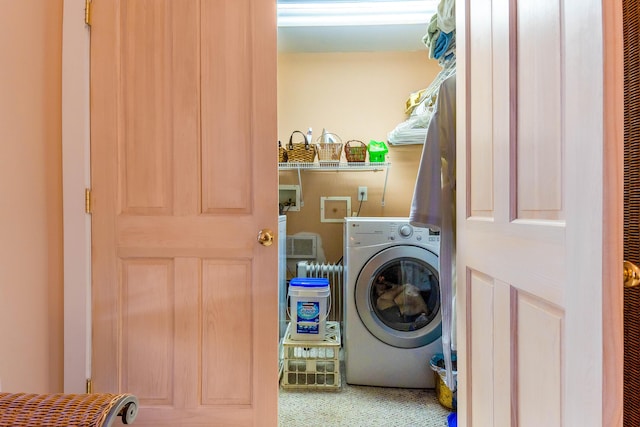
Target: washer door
{"points": [[397, 296]]}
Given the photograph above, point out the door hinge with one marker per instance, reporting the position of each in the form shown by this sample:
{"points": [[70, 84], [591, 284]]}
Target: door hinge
{"points": [[89, 386], [87, 12], [87, 200]]}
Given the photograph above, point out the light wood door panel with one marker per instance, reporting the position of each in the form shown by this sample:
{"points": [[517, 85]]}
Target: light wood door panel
{"points": [[226, 34], [481, 114], [184, 176], [539, 144], [538, 360], [534, 217], [148, 289]]}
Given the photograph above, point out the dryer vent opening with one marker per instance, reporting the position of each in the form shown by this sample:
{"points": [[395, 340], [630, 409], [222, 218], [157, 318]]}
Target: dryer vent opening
{"points": [[334, 273]]}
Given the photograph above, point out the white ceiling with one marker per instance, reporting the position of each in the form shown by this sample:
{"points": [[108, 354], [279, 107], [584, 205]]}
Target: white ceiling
{"points": [[364, 38], [336, 25]]}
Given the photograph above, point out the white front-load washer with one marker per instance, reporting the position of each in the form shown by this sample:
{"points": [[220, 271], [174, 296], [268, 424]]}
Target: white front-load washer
{"points": [[392, 322]]}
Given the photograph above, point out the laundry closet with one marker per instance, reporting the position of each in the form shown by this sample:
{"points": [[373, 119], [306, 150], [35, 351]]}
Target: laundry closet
{"points": [[357, 95], [359, 86], [354, 91]]}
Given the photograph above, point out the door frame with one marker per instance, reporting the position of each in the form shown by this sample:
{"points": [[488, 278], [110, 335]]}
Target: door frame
{"points": [[613, 130], [75, 178]]}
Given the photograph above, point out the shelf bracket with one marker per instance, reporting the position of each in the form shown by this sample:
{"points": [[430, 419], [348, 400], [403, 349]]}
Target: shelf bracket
{"points": [[300, 184], [384, 189], [375, 167]]}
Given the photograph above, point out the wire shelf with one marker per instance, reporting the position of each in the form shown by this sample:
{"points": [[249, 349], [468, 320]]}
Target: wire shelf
{"points": [[335, 166], [338, 166]]}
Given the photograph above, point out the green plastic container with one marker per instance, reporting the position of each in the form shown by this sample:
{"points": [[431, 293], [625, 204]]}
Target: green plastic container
{"points": [[377, 151]]}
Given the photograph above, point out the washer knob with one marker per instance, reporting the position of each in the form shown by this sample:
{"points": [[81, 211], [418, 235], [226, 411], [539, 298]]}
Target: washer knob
{"points": [[406, 231]]}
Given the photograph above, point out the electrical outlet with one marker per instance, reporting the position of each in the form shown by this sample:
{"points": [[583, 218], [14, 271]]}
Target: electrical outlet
{"points": [[362, 194]]}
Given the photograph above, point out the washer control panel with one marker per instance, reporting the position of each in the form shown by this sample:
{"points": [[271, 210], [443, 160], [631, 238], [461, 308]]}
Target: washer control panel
{"points": [[405, 230], [376, 231]]}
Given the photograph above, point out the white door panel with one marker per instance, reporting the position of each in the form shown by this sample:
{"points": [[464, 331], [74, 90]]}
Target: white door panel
{"points": [[535, 179]]}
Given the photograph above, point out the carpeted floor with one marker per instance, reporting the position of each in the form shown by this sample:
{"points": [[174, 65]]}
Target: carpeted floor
{"points": [[356, 406]]}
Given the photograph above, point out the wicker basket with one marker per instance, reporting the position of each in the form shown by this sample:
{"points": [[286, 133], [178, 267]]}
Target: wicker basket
{"points": [[355, 151], [282, 153], [299, 152], [87, 410], [329, 153]]}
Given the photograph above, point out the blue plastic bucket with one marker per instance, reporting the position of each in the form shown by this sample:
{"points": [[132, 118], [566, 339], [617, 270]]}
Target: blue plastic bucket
{"points": [[308, 310]]}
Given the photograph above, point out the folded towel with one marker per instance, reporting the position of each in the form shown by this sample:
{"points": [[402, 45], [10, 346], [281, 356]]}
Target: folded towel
{"points": [[442, 44], [432, 35], [447, 15], [452, 47]]}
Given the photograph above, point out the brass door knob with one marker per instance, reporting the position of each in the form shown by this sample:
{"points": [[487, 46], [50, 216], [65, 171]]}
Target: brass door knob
{"points": [[631, 275], [265, 237]]}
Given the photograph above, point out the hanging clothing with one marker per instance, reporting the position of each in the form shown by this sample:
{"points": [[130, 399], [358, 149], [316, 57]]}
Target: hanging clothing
{"points": [[414, 100], [433, 204], [438, 152]]}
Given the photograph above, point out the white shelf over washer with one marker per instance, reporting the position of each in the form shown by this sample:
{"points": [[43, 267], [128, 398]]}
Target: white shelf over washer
{"points": [[336, 166]]}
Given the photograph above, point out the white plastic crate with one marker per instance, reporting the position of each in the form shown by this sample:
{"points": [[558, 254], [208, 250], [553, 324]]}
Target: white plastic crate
{"points": [[312, 364]]}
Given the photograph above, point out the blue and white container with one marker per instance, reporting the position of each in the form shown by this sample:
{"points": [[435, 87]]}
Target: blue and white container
{"points": [[308, 308]]}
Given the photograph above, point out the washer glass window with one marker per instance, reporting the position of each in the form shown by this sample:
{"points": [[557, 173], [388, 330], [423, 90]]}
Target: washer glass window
{"points": [[405, 294]]}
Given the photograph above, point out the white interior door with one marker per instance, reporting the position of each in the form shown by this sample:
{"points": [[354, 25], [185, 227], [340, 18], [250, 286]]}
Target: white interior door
{"points": [[539, 213], [183, 131]]}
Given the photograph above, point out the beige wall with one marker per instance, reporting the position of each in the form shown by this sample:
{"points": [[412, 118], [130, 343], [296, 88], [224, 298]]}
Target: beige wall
{"points": [[30, 196], [358, 96]]}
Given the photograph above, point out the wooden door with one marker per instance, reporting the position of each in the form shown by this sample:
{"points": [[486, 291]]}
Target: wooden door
{"points": [[539, 213], [183, 162]]}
